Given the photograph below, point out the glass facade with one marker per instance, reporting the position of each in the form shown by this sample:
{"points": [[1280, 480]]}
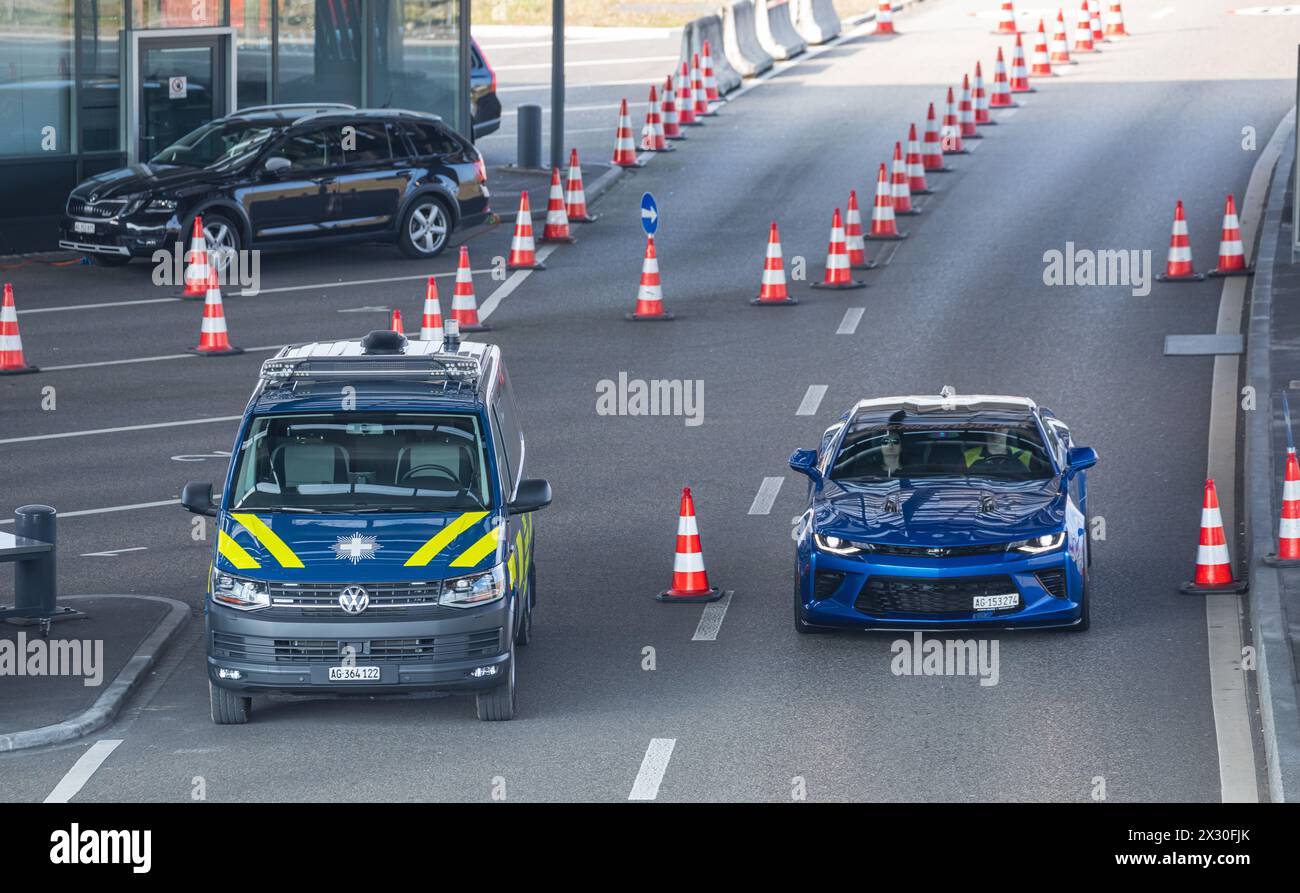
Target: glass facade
{"points": [[416, 56], [36, 77], [321, 50], [99, 71], [251, 20]]}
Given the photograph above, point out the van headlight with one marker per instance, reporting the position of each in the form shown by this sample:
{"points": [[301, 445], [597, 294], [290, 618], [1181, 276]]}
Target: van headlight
{"points": [[1048, 542], [240, 593], [476, 589], [838, 545]]}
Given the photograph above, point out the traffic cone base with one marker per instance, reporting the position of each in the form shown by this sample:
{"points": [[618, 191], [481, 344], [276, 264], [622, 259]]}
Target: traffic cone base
{"points": [[713, 594], [840, 286], [1244, 271], [555, 240], [650, 317], [225, 352], [1190, 277], [23, 370], [780, 302], [894, 237]]}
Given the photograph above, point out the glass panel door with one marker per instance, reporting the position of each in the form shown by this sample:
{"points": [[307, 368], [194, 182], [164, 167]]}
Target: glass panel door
{"points": [[182, 85]]}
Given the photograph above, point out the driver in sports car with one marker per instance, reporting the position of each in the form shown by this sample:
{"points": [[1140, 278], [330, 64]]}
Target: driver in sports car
{"points": [[995, 445]]}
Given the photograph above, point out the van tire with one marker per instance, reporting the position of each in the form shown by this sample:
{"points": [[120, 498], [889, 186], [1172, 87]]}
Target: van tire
{"points": [[498, 704], [228, 708]]}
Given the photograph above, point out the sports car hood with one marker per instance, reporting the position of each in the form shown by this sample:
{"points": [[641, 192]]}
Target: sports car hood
{"points": [[375, 548], [936, 512]]}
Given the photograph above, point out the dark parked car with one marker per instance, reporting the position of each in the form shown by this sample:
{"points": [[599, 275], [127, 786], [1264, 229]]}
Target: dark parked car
{"points": [[486, 108], [288, 176]]}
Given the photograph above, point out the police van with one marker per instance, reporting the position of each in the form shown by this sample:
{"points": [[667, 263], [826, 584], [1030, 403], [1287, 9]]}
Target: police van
{"points": [[375, 532]]}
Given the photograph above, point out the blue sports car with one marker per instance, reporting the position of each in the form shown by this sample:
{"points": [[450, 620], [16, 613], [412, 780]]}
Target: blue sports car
{"points": [[943, 512]]}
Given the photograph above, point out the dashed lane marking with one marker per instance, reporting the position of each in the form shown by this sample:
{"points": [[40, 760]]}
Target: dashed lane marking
{"points": [[653, 766], [505, 289], [72, 783], [113, 553], [92, 431], [344, 283], [112, 508], [812, 399], [585, 63], [767, 493], [852, 317], [711, 620], [100, 305]]}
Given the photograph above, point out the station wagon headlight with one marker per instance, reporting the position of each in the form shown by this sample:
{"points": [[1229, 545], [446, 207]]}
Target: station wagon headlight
{"points": [[838, 545], [161, 206], [476, 589], [1048, 542], [239, 592]]}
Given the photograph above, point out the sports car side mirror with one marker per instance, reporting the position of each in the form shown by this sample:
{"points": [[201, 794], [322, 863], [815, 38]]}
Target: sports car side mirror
{"points": [[1079, 458], [805, 461]]}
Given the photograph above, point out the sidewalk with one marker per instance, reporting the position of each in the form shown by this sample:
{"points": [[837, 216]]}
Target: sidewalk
{"points": [[59, 688]]}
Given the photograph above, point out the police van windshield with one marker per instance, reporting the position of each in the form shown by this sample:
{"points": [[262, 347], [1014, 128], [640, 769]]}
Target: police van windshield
{"points": [[876, 452], [362, 462]]}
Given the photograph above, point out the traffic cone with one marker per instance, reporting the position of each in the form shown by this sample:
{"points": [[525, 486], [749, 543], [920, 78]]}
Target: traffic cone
{"points": [[214, 339], [885, 17], [837, 260], [1019, 81], [950, 133], [396, 322], [523, 253], [686, 99], [624, 149], [1115, 20], [575, 197], [650, 296], [966, 112], [652, 135], [1060, 43], [901, 189], [431, 321], [932, 156], [464, 305], [915, 169], [557, 217], [1006, 19], [1288, 535], [1232, 257], [702, 107], [711, 93], [11, 343], [772, 290], [982, 116], [1083, 31], [196, 264], [1178, 267], [854, 245], [1094, 22], [668, 112], [883, 225], [1001, 96], [1042, 67], [690, 581], [1213, 567]]}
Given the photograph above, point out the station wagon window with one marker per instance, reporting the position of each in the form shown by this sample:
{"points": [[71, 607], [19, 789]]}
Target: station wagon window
{"points": [[430, 139], [370, 146], [311, 149]]}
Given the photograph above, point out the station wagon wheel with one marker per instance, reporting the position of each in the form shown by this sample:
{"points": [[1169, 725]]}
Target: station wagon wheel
{"points": [[222, 241], [427, 228]]}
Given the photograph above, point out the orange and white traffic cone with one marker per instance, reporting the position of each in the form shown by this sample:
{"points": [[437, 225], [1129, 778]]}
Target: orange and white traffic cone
{"points": [[1094, 22], [652, 135], [690, 580], [1001, 95], [395, 323], [1115, 20], [837, 260], [575, 197], [950, 133], [701, 98], [932, 156], [772, 291], [523, 251], [966, 112], [1288, 534], [686, 99], [1083, 31], [1042, 65], [1019, 81], [12, 361], [214, 339], [709, 82], [901, 188], [650, 295], [557, 217], [624, 148], [196, 264], [464, 304], [1232, 257], [854, 245], [1178, 266], [982, 116], [1060, 54], [1213, 567], [883, 225], [885, 17], [668, 112], [431, 320], [915, 169], [1006, 19]]}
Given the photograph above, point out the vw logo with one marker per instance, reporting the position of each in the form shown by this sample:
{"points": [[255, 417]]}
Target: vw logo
{"points": [[354, 600]]}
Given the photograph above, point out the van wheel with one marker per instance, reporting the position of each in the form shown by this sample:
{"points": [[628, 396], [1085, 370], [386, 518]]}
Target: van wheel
{"points": [[498, 705], [228, 708]]}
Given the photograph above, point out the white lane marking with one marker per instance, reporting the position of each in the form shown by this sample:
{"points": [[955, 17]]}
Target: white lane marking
{"points": [[538, 88], [515, 279], [112, 508], [711, 619], [1007, 113], [507, 133], [92, 431], [811, 400], [653, 766], [72, 783], [101, 304], [602, 107], [113, 553], [852, 317], [167, 356], [344, 283], [1162, 12], [585, 63], [767, 492], [1228, 698]]}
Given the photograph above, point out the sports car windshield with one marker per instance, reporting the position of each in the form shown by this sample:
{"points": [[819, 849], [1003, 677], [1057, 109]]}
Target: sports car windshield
{"points": [[362, 462], [216, 144], [876, 452]]}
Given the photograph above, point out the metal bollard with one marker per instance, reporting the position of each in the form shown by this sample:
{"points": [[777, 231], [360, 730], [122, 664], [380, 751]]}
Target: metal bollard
{"points": [[34, 581], [529, 137]]}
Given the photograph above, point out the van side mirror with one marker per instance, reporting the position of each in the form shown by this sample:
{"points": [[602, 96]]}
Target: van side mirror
{"points": [[805, 462], [1079, 458], [196, 497], [531, 494]]}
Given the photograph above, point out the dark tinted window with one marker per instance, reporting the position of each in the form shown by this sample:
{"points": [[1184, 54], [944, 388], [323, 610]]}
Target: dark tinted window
{"points": [[430, 139], [365, 143], [929, 449], [507, 420], [311, 149]]}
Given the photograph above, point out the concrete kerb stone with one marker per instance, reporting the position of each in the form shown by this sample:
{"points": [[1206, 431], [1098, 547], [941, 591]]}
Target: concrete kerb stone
{"points": [[776, 31], [815, 20], [709, 28], [740, 39]]}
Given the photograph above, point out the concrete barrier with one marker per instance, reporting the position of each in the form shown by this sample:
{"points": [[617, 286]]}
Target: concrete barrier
{"points": [[815, 20], [740, 39], [776, 31], [693, 36]]}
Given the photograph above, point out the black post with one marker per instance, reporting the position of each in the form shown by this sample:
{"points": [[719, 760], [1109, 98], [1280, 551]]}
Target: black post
{"points": [[558, 158], [34, 583], [528, 136]]}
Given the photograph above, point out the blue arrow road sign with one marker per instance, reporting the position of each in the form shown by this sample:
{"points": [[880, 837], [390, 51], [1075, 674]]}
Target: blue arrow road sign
{"points": [[649, 214]]}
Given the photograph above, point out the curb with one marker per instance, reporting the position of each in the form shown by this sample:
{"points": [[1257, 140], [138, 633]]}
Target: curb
{"points": [[128, 679], [1275, 672]]}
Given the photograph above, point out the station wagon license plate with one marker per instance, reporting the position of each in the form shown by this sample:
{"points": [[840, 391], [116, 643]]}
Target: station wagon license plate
{"points": [[82, 226], [354, 674], [990, 602]]}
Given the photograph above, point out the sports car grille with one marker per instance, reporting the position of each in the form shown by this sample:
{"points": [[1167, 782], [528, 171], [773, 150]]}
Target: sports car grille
{"points": [[908, 595], [321, 602], [945, 552], [825, 583], [1053, 581], [435, 649], [95, 210]]}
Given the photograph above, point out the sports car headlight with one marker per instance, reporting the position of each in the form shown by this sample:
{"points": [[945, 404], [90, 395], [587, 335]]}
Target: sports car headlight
{"points": [[838, 545], [476, 589], [239, 592], [1048, 542]]}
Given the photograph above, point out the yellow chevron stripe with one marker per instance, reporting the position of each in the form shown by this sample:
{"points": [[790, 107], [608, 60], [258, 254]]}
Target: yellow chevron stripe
{"points": [[510, 565], [443, 538], [486, 544], [267, 537], [234, 552]]}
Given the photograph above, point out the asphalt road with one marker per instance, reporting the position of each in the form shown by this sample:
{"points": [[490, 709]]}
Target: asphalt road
{"points": [[1096, 156]]}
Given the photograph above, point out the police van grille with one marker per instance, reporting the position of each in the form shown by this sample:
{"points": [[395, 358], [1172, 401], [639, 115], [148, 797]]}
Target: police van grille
{"points": [[435, 649], [321, 602]]}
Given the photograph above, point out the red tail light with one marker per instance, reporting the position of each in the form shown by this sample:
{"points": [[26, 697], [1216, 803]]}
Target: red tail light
{"points": [[480, 169]]}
